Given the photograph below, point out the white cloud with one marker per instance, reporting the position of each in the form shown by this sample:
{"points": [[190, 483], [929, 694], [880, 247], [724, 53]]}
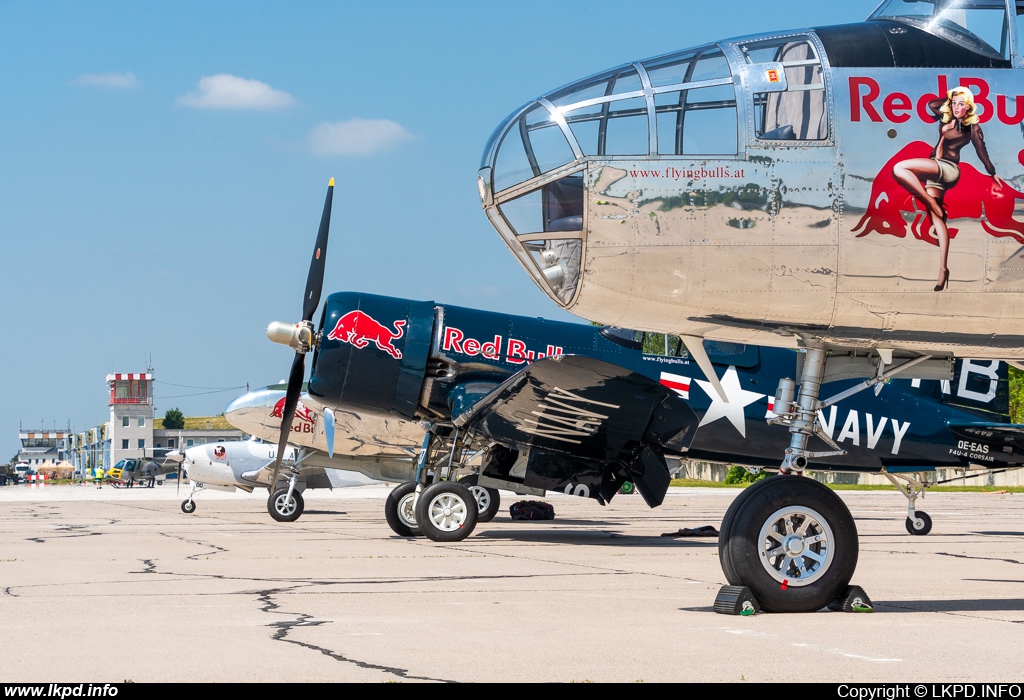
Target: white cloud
{"points": [[109, 80], [231, 92], [357, 137]]}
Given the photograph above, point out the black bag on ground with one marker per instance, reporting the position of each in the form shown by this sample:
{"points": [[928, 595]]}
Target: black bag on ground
{"points": [[532, 510]]}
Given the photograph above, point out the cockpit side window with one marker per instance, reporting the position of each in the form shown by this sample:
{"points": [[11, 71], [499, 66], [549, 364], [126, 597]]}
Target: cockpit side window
{"points": [[800, 111], [664, 345]]}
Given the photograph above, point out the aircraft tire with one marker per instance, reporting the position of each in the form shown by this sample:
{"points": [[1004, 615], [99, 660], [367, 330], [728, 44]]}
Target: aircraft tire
{"points": [[188, 507], [284, 512], [726, 529], [785, 506], [488, 501], [446, 512], [398, 510], [921, 515]]}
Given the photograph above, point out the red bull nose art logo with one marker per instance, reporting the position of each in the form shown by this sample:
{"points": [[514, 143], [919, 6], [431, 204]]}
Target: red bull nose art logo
{"points": [[924, 187], [306, 418], [515, 351], [975, 194], [360, 329]]}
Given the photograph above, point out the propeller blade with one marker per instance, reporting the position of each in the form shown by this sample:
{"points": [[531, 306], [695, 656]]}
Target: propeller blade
{"points": [[329, 431], [315, 279], [291, 400], [178, 492]]}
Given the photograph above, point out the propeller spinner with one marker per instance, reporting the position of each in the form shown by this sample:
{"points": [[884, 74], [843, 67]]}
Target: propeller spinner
{"points": [[301, 336]]}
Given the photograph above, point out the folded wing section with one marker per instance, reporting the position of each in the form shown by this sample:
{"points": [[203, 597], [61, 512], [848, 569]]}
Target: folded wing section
{"points": [[579, 411]]}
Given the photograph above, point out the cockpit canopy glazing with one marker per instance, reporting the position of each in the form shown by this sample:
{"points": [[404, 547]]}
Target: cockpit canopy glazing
{"points": [[981, 26]]}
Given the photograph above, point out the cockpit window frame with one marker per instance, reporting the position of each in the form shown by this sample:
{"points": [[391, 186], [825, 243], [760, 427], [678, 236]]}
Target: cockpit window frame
{"points": [[749, 135], [1016, 9]]}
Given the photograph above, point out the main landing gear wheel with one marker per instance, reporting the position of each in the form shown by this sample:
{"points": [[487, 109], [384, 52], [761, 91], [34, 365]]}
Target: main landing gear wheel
{"points": [[188, 506], [398, 510], [792, 542], [284, 509], [725, 530], [920, 524], [446, 512], [488, 501]]}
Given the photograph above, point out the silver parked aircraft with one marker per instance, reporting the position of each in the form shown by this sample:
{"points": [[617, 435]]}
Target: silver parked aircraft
{"points": [[243, 464], [344, 448], [855, 192]]}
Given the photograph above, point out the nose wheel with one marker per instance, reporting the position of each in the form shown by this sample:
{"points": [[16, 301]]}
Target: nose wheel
{"points": [[188, 506], [285, 505], [792, 542]]}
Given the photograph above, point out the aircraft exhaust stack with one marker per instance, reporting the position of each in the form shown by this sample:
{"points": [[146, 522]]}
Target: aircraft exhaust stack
{"points": [[298, 336]]}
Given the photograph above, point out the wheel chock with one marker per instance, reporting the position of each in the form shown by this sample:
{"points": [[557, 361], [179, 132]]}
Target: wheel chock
{"points": [[736, 600], [853, 599]]}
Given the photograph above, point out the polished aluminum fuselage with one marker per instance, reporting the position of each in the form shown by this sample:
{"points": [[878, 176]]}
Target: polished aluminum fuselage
{"points": [[797, 243]]}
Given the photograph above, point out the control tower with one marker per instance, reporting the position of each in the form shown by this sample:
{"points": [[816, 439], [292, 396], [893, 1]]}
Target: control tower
{"points": [[131, 416]]}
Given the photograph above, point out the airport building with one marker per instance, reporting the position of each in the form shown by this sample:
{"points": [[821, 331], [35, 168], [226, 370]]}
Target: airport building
{"points": [[43, 449], [131, 431]]}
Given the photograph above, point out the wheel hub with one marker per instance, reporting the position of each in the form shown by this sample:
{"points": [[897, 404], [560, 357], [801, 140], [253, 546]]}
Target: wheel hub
{"points": [[796, 545], [285, 505], [406, 510], [447, 512], [483, 499]]}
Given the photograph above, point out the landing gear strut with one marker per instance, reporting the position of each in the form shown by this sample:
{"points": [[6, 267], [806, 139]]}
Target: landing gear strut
{"points": [[285, 505], [188, 506], [434, 504], [918, 522], [788, 540]]}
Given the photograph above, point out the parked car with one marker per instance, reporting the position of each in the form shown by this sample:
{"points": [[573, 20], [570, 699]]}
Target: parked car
{"points": [[22, 472]]}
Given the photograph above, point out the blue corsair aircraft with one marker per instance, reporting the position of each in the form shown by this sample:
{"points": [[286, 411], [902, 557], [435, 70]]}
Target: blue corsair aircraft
{"points": [[532, 405]]}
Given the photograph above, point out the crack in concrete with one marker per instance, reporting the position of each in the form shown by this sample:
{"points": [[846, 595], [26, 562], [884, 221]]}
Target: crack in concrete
{"points": [[967, 556], [194, 557], [284, 627], [150, 567], [42, 540]]}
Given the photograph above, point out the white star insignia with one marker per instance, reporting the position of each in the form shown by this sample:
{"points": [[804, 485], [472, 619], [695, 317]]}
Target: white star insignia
{"points": [[739, 399]]}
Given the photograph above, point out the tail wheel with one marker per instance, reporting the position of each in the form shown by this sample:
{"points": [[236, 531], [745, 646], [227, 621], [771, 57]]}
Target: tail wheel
{"points": [[398, 510], [792, 542], [446, 512], [284, 509], [488, 501], [922, 525]]}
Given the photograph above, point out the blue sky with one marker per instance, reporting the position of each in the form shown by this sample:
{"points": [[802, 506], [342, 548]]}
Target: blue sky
{"points": [[163, 167]]}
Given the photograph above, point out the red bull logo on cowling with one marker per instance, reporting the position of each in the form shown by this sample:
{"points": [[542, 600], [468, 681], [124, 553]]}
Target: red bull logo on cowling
{"points": [[894, 211], [306, 418], [515, 351], [360, 329]]}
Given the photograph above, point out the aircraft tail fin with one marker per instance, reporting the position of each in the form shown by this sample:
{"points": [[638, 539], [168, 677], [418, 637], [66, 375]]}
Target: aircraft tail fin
{"points": [[981, 387]]}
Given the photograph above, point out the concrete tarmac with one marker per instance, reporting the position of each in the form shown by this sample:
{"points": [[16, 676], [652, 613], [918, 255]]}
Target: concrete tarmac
{"points": [[103, 585]]}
